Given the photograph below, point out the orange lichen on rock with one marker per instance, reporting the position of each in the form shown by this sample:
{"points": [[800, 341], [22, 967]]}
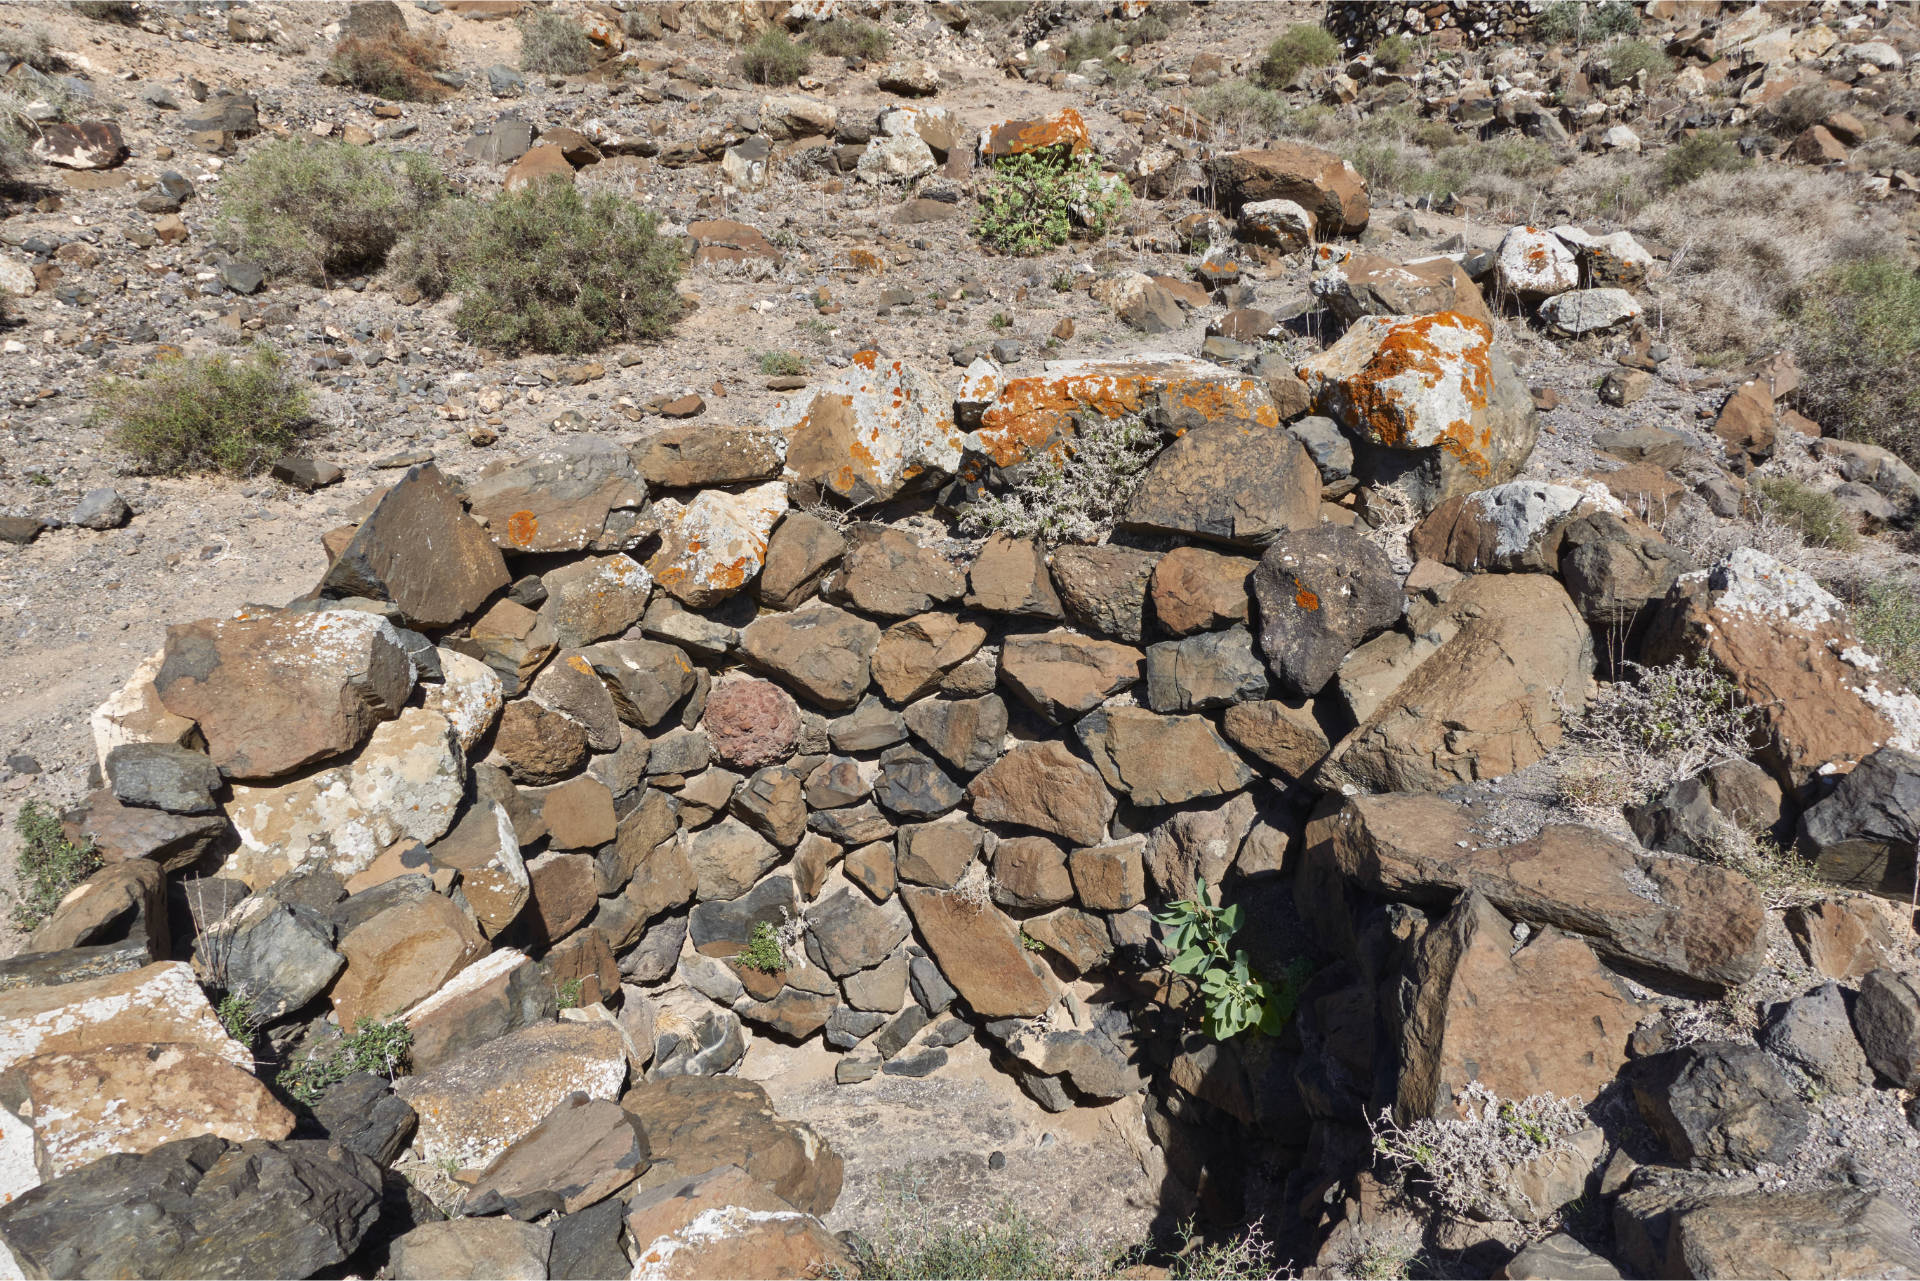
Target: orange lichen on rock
{"points": [[522, 528], [1064, 128], [1412, 382]]}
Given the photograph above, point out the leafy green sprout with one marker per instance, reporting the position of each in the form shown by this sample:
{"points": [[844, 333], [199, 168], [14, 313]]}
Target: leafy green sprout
{"points": [[50, 865], [373, 1046], [567, 994], [1030, 203], [763, 951], [1031, 943], [237, 1014], [1236, 997]]}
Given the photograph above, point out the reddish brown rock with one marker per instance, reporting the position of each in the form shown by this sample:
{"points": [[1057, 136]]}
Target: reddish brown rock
{"points": [[724, 1223], [1030, 872], [1110, 878], [537, 744], [578, 495], [1318, 181], [512, 640], [1064, 131], [801, 549], [1045, 787], [1061, 673], [916, 653], [1161, 760], [888, 573], [695, 1123], [578, 814], [273, 692], [751, 722], [1009, 576], [693, 457], [1286, 737], [564, 892], [1842, 939], [979, 952], [538, 165], [400, 956], [1196, 590]]}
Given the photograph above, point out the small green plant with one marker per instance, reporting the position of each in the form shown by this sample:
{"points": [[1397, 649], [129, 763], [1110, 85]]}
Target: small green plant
{"points": [[782, 364], [851, 38], [239, 1017], [1073, 493], [1062, 282], [40, 479], [1703, 152], [772, 58], [1242, 105], [549, 269], [1631, 57], [398, 67], [1858, 330], [1393, 53], [763, 951], [50, 865], [1030, 203], [211, 413], [1298, 48], [567, 994], [1031, 943], [552, 43], [1010, 1244], [373, 1046], [314, 211], [1817, 516], [1236, 998], [1001, 320]]}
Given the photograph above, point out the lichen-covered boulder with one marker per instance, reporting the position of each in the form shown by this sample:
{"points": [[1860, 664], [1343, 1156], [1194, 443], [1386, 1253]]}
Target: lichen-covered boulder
{"points": [[579, 495], [714, 545], [872, 430]]}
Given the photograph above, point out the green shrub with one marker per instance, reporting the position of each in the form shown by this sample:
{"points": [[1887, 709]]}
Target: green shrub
{"points": [[850, 38], [566, 995], [548, 269], [313, 211], [379, 1048], [1029, 203], [397, 67], [1801, 108], [1303, 45], [1858, 338], [1695, 156], [49, 865], [772, 58], [1817, 516], [212, 413], [1630, 57], [552, 43], [763, 951], [238, 1016], [1393, 53], [1581, 23]]}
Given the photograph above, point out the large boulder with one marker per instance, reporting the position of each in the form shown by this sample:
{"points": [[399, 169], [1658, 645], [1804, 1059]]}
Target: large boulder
{"points": [[1318, 181], [475, 1107], [1433, 408], [1356, 284], [273, 692], [1545, 1018], [980, 953], [1160, 760], [1699, 923], [158, 1003], [873, 430], [1477, 691], [1785, 642], [1709, 1226], [1862, 834], [1061, 674], [695, 1124], [199, 1207], [822, 654], [1045, 787], [1721, 1105], [1322, 591], [581, 1152], [724, 1223], [581, 494], [399, 956], [420, 551], [498, 1249]]}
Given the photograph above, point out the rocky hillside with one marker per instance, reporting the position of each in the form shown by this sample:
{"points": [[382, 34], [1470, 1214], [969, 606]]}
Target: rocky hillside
{"points": [[1142, 639]]}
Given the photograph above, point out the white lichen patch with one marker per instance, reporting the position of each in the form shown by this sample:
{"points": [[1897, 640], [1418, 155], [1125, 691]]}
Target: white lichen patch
{"points": [[1754, 583]]}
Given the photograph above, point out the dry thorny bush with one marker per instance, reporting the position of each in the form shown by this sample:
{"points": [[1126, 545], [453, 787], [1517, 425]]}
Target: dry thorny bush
{"points": [[1465, 1163]]}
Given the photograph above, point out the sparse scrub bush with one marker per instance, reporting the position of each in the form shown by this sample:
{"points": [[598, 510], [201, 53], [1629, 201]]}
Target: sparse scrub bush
{"points": [[120, 11], [397, 67], [16, 136], [1886, 617], [1631, 57], [1240, 106], [1581, 23], [1781, 876], [1075, 497], [1858, 337], [772, 58], [373, 1046], [1030, 203], [1299, 48], [213, 413], [1010, 1244], [30, 45], [1393, 53], [566, 995], [1815, 514], [851, 38], [1465, 1163], [49, 865], [1701, 153], [548, 269], [1801, 108], [1636, 737], [552, 43], [313, 211], [788, 364], [238, 1016]]}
